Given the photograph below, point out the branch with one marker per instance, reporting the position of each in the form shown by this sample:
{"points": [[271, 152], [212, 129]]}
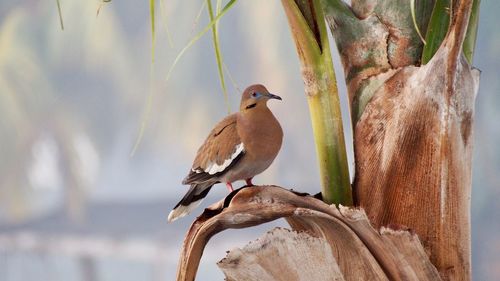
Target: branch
{"points": [[360, 251]]}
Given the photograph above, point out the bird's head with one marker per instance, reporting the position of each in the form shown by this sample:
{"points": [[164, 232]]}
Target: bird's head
{"points": [[255, 96]]}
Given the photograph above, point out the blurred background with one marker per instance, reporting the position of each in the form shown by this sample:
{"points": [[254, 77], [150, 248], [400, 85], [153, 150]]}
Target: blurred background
{"points": [[76, 205]]}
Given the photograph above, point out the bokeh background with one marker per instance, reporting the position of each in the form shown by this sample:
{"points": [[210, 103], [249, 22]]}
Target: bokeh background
{"points": [[76, 205]]}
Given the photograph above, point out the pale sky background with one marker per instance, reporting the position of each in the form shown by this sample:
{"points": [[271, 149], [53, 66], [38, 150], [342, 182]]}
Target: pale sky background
{"points": [[72, 103]]}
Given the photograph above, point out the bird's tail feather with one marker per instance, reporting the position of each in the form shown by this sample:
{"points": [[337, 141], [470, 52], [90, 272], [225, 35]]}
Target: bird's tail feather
{"points": [[190, 201]]}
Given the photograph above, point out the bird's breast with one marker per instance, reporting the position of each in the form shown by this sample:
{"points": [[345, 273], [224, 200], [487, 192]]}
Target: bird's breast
{"points": [[262, 139]]}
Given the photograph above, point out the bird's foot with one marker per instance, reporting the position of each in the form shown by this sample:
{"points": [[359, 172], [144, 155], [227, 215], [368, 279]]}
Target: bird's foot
{"points": [[229, 187], [249, 182]]}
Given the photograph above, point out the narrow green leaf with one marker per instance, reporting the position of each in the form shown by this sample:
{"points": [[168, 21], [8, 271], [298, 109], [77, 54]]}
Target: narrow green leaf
{"points": [[199, 35], [101, 4], [60, 14], [198, 16], [414, 18], [147, 111], [437, 29], [99, 9], [471, 35], [149, 101], [218, 55], [153, 36], [235, 85], [165, 23]]}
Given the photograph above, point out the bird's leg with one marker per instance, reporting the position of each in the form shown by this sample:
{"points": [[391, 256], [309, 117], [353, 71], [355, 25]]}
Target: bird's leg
{"points": [[249, 182], [229, 186]]}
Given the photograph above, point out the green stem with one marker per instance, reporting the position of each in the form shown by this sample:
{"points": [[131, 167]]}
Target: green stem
{"points": [[60, 14], [311, 40], [327, 126], [153, 34], [471, 35]]}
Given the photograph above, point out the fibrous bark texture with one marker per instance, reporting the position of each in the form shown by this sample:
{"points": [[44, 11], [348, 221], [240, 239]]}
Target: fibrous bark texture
{"points": [[281, 251], [333, 244], [412, 126]]}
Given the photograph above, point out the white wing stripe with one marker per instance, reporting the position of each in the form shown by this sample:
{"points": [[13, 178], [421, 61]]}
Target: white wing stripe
{"points": [[213, 168]]}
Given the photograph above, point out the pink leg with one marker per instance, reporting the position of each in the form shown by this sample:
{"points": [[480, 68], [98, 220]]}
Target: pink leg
{"points": [[249, 182], [229, 186]]}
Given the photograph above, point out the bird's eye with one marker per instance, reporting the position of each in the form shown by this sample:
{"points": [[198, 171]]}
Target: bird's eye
{"points": [[254, 94]]}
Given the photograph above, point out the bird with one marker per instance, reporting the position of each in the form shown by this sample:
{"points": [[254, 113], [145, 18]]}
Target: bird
{"points": [[241, 146]]}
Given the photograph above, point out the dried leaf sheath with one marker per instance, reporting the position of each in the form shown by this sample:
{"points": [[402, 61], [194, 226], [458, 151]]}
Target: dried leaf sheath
{"points": [[358, 248], [413, 132]]}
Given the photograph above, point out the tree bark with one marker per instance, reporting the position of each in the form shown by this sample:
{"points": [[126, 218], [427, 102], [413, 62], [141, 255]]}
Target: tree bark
{"points": [[412, 127]]}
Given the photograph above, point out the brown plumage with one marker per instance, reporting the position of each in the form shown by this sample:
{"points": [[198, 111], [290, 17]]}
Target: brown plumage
{"points": [[242, 145]]}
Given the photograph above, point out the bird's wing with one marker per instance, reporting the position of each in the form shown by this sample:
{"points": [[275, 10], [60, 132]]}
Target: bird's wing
{"points": [[221, 150]]}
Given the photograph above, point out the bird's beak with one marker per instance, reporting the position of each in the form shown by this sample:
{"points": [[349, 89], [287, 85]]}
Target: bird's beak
{"points": [[271, 96]]}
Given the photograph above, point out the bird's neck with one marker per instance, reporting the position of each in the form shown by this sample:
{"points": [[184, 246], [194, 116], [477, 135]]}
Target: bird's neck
{"points": [[256, 116], [259, 129]]}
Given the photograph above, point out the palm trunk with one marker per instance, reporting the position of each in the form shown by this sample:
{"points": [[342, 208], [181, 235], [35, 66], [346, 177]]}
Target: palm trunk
{"points": [[413, 126]]}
